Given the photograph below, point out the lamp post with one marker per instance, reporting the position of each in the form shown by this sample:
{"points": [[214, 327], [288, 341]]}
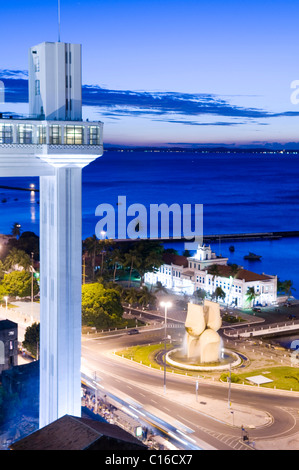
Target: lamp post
{"points": [[103, 233], [32, 254], [166, 305]]}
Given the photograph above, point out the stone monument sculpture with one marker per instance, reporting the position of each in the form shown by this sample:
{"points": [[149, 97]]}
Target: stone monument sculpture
{"points": [[202, 324]]}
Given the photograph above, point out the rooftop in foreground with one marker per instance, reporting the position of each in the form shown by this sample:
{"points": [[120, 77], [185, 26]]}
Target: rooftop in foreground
{"points": [[74, 433]]}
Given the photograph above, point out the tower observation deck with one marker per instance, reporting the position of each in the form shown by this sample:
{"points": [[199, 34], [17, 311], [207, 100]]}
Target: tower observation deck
{"points": [[55, 144]]}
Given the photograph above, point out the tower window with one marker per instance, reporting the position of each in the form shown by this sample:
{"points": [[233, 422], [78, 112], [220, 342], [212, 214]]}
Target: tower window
{"points": [[94, 135], [37, 87], [55, 134], [25, 134], [36, 64], [5, 134], [41, 133], [73, 135]]}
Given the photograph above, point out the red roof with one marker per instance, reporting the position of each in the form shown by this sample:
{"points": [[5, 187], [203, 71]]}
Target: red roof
{"points": [[178, 260], [248, 276]]}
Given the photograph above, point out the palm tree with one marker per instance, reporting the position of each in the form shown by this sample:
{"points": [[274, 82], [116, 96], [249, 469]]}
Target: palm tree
{"points": [[16, 230], [288, 287], [214, 270], [116, 258], [219, 293], [91, 246], [234, 269], [160, 288], [145, 297], [130, 295], [150, 255], [132, 259], [251, 295]]}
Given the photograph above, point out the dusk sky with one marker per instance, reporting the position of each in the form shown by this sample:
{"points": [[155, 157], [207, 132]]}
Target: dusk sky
{"points": [[169, 72]]}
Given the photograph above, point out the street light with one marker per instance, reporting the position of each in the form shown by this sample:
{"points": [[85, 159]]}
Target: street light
{"points": [[103, 233], [166, 305], [32, 254]]}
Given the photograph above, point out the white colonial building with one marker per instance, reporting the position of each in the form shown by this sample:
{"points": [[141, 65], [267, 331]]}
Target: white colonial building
{"points": [[207, 271]]}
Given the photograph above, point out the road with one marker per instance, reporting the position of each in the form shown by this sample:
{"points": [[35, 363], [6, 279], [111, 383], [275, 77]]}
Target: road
{"points": [[145, 387]]}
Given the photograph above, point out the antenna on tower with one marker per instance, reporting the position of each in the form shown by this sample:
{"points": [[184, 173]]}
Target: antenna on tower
{"points": [[58, 20]]}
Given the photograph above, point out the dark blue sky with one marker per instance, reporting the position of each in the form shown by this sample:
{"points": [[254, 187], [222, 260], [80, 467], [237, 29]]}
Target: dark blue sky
{"points": [[167, 72]]}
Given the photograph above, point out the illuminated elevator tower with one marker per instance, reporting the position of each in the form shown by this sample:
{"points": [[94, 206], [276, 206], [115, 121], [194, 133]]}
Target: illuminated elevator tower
{"points": [[55, 144], [55, 88]]}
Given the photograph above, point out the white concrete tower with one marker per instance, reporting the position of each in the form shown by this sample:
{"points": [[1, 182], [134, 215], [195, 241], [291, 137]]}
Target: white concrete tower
{"points": [[55, 145], [55, 88]]}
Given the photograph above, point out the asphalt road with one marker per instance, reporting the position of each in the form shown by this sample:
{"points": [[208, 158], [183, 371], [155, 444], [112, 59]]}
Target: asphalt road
{"points": [[140, 384]]}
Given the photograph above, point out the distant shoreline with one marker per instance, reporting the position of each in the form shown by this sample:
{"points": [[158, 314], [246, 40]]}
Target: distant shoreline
{"points": [[19, 189], [203, 150]]}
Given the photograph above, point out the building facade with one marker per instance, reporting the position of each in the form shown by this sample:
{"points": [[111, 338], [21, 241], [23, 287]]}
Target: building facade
{"points": [[206, 271], [8, 345]]}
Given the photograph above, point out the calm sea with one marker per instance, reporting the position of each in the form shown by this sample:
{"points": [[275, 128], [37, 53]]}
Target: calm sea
{"points": [[239, 193]]}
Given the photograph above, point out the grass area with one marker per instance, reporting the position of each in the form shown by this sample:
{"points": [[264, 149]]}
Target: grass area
{"points": [[232, 318], [144, 354], [3, 305], [285, 378]]}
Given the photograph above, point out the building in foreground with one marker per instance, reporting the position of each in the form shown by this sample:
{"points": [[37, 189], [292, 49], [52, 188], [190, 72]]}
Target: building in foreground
{"points": [[206, 271], [76, 433], [8, 345]]}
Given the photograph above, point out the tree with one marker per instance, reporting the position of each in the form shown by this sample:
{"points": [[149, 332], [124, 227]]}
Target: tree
{"points": [[32, 339], [101, 307], [130, 296], [18, 284], [133, 260], [145, 297], [200, 294], [219, 293], [116, 258], [16, 230], [150, 257], [91, 246], [160, 288], [234, 269], [17, 257], [1, 270], [251, 295], [286, 287], [214, 270]]}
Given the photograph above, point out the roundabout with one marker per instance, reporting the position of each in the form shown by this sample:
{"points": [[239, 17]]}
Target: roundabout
{"points": [[227, 360]]}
